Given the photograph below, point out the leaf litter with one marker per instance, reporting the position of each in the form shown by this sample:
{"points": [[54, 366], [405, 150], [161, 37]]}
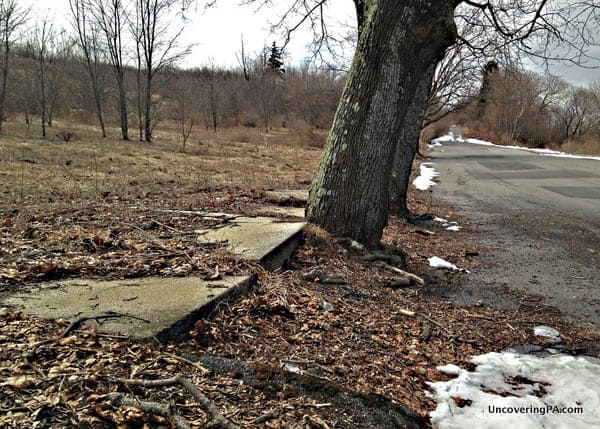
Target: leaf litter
{"points": [[368, 339]]}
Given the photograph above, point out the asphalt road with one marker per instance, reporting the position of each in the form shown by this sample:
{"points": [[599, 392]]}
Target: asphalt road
{"points": [[538, 217]]}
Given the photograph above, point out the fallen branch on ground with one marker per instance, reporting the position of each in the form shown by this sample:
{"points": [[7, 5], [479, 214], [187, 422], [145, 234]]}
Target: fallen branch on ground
{"points": [[149, 407], [406, 274], [218, 419]]}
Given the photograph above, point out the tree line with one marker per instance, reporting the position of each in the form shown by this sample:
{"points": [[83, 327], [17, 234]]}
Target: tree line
{"points": [[118, 63]]}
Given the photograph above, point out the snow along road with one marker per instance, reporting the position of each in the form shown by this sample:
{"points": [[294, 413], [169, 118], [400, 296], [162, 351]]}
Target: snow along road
{"points": [[540, 216]]}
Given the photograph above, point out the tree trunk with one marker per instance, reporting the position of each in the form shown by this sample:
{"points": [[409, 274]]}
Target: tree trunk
{"points": [[4, 71], [43, 103], [123, 119], [98, 101], [408, 145], [398, 42], [148, 108]]}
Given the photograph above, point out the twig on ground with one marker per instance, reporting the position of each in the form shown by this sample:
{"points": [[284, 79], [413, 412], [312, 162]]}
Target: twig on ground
{"points": [[218, 419], [149, 407], [158, 243], [30, 354], [406, 274], [189, 362]]}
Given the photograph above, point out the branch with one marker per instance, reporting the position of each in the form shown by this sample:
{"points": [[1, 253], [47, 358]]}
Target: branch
{"points": [[218, 419]]}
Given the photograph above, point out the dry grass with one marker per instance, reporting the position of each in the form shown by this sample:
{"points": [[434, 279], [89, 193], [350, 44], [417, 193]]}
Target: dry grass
{"points": [[587, 146], [37, 170]]}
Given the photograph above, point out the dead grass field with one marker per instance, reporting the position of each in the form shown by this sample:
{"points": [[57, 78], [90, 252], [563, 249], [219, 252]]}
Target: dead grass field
{"points": [[34, 171]]}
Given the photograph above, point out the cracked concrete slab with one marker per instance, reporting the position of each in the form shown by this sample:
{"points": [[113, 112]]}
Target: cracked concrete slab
{"points": [[264, 240], [165, 308], [162, 308]]}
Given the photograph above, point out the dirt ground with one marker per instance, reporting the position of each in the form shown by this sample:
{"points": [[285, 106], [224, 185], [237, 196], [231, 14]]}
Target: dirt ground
{"points": [[93, 209]]}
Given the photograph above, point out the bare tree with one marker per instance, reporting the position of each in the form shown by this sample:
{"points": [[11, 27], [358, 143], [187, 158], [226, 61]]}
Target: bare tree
{"points": [[579, 112], [244, 60], [88, 40], [110, 16], [43, 35], [158, 46], [11, 18], [185, 105]]}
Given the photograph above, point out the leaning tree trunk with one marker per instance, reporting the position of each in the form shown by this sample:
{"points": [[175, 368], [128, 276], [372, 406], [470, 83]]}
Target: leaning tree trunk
{"points": [[398, 42], [408, 145]]}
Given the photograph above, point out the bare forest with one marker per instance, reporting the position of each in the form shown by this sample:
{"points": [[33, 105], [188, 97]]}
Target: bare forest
{"points": [[96, 73]]}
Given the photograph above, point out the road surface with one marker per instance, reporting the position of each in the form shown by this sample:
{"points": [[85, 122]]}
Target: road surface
{"points": [[538, 215]]}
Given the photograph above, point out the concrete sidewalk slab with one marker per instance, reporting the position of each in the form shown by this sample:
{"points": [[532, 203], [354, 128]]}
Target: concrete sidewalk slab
{"points": [[162, 308], [282, 211], [264, 240], [166, 308]]}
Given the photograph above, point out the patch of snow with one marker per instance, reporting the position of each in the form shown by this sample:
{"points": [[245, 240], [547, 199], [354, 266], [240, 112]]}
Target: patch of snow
{"points": [[546, 331], [450, 369], [522, 391], [290, 367], [450, 226], [443, 139], [436, 262], [547, 152], [425, 179]]}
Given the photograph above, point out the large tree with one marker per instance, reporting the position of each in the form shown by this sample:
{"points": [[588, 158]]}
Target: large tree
{"points": [[398, 42]]}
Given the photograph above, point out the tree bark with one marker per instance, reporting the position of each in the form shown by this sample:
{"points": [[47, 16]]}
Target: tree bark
{"points": [[6, 34], [123, 117], [148, 107], [408, 145], [398, 42]]}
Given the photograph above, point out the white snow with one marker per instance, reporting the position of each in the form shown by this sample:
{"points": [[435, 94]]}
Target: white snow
{"points": [[436, 262], [546, 331], [450, 226], [450, 369], [290, 367], [548, 152], [443, 139], [425, 179], [510, 390]]}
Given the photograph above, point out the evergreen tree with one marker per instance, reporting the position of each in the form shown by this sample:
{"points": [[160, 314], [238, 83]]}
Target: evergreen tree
{"points": [[275, 60]]}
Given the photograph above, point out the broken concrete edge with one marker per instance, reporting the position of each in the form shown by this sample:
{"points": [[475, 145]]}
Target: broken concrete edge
{"points": [[281, 254], [180, 329]]}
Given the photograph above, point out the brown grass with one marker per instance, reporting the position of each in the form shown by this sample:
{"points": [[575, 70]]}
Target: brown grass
{"points": [[586, 146], [37, 170]]}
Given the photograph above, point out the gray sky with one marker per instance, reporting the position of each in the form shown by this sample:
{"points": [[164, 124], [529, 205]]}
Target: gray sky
{"points": [[216, 32]]}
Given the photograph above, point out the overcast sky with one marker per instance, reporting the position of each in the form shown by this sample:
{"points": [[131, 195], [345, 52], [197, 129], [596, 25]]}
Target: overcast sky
{"points": [[216, 33]]}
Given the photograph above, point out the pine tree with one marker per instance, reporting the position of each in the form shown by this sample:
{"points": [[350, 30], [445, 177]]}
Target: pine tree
{"points": [[275, 60]]}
